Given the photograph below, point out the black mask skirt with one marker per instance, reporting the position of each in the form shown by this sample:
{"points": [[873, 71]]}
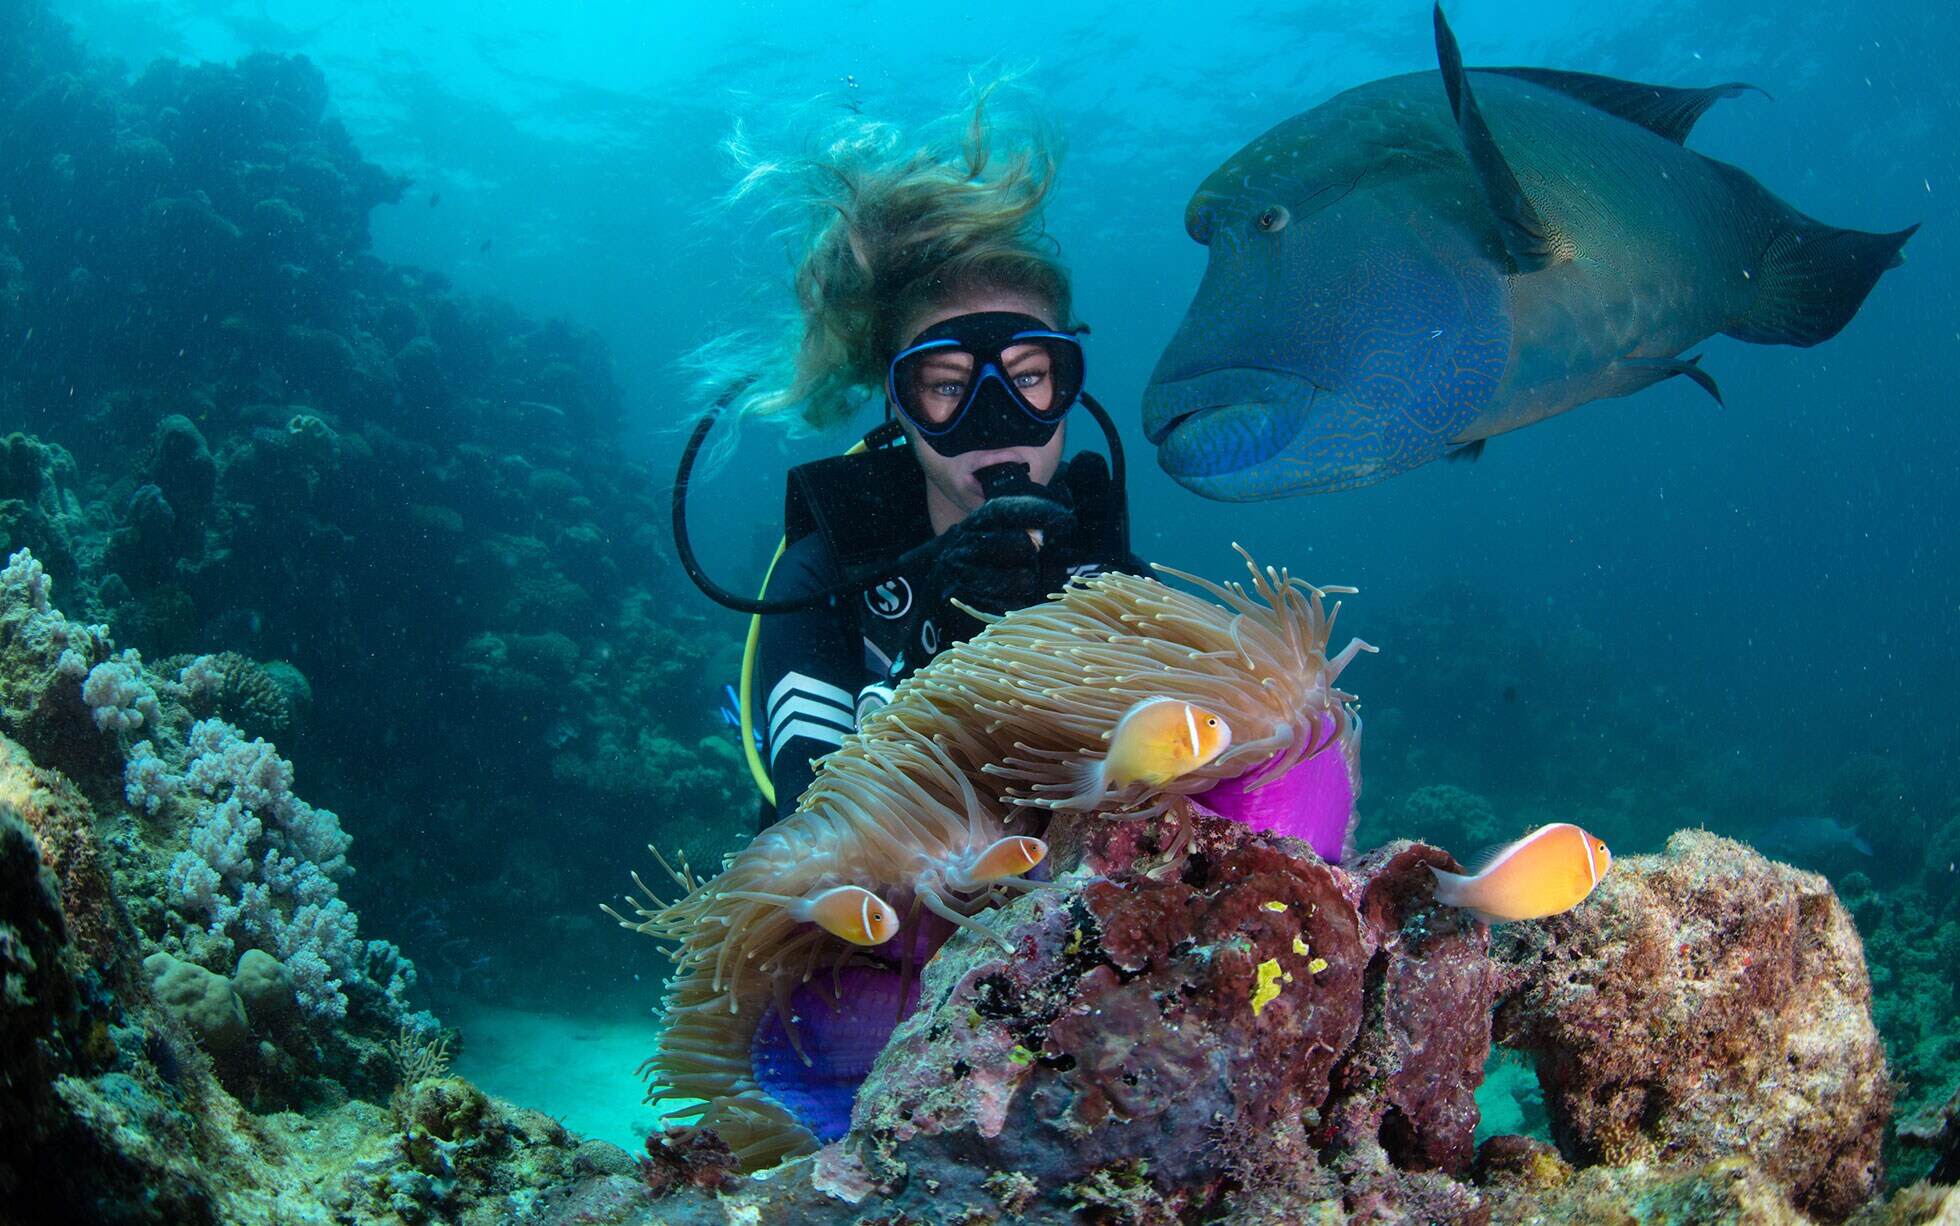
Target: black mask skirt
{"points": [[986, 381]]}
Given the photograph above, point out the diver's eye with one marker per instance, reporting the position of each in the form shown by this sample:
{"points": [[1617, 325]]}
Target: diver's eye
{"points": [[1030, 378], [1273, 220], [948, 390]]}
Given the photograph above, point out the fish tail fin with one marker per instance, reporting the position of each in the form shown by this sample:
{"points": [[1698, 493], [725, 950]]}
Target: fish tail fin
{"points": [[1812, 279], [1449, 886], [1085, 782]]}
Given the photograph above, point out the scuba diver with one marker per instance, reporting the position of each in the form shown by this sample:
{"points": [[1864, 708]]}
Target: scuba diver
{"points": [[928, 284]]}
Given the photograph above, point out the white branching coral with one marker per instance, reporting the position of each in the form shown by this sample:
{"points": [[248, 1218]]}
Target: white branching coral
{"points": [[48, 656], [120, 695], [24, 580], [260, 867], [263, 866]]}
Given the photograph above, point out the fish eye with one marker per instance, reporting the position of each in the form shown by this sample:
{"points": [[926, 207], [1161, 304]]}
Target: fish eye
{"points": [[1273, 220], [1211, 723]]}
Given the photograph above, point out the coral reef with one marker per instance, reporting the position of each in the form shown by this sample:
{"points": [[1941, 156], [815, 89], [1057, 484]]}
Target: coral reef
{"points": [[242, 437], [1938, 1130], [1125, 1054], [234, 861], [138, 1086], [236, 443], [40, 506], [1129, 1057]]}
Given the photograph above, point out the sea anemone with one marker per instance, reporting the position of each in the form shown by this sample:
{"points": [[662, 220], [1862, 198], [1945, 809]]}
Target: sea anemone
{"points": [[927, 817]]}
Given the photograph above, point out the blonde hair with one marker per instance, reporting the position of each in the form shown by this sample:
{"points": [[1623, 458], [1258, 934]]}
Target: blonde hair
{"points": [[908, 799], [888, 226]]}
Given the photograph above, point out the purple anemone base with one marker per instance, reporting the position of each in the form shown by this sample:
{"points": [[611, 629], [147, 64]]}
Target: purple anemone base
{"points": [[841, 1039], [1314, 801]]}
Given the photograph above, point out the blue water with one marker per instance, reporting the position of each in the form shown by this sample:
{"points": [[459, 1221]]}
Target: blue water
{"points": [[1791, 549], [1716, 607]]}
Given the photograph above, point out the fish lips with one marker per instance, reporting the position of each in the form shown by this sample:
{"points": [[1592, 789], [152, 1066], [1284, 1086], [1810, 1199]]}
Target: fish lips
{"points": [[1171, 406], [1226, 434]]}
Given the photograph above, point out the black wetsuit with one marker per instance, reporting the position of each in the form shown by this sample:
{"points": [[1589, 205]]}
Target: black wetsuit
{"points": [[819, 671]]}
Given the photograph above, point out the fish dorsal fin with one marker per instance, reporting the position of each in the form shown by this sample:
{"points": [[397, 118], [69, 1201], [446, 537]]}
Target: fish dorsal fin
{"points": [[1661, 109], [1485, 858], [1526, 237], [1481, 859]]}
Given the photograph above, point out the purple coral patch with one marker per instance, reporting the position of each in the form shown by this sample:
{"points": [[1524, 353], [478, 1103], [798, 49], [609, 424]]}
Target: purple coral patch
{"points": [[841, 1039], [1314, 801]]}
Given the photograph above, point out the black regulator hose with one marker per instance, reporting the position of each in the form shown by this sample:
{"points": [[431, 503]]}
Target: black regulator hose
{"points": [[1003, 482]]}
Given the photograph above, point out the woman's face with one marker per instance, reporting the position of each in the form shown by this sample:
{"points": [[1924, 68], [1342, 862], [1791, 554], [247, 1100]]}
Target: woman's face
{"points": [[952, 489]]}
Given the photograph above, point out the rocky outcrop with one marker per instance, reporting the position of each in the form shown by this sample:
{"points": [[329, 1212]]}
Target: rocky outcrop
{"points": [[1707, 1003], [1250, 1034]]}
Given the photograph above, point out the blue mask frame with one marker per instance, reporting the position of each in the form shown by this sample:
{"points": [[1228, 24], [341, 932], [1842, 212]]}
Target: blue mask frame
{"points": [[993, 415]]}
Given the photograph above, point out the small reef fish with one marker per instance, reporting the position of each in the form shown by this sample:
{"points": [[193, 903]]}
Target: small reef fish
{"points": [[999, 860], [848, 912], [1156, 741], [1548, 871]]}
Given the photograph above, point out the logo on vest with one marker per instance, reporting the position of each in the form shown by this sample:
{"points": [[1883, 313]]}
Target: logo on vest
{"points": [[890, 600], [929, 637]]}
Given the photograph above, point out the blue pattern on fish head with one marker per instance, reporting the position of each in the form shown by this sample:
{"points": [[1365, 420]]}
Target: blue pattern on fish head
{"points": [[1341, 335]]}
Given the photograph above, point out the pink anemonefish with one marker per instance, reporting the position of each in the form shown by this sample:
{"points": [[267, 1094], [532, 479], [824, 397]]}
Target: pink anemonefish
{"points": [[851, 912], [1156, 741], [1548, 871]]}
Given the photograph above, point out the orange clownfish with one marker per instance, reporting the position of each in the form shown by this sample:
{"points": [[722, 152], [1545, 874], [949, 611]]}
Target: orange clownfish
{"points": [[1156, 741], [1550, 870]]}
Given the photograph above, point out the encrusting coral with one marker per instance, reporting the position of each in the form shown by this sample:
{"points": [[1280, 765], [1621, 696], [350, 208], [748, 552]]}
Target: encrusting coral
{"points": [[907, 809]]}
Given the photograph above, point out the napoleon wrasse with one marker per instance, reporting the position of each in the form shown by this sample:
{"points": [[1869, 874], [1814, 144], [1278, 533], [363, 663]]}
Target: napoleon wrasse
{"points": [[795, 963]]}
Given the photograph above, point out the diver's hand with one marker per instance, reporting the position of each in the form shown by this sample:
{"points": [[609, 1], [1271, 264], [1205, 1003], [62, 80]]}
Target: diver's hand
{"points": [[991, 560]]}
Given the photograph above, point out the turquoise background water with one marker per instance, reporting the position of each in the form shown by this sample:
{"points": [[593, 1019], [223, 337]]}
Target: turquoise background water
{"points": [[1717, 608]]}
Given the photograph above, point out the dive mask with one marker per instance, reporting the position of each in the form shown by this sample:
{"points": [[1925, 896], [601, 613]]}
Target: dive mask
{"points": [[986, 381]]}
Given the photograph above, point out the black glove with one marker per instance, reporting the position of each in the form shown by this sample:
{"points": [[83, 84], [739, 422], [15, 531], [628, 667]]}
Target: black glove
{"points": [[990, 561], [1101, 515]]}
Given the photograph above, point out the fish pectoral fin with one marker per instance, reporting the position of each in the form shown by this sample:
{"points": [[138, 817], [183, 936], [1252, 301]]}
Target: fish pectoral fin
{"points": [[1811, 280], [1527, 239], [1667, 368], [1661, 109], [1471, 451]]}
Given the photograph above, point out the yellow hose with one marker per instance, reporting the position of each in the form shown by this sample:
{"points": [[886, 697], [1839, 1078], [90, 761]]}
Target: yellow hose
{"points": [[757, 769]]}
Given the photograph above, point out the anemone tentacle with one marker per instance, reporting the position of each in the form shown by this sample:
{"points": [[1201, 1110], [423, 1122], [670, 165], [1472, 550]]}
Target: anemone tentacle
{"points": [[977, 746]]}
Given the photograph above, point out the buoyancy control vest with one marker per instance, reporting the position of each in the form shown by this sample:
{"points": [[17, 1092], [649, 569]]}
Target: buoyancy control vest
{"points": [[870, 509]]}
